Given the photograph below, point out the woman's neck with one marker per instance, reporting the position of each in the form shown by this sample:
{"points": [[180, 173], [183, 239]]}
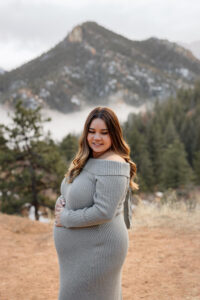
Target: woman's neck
{"points": [[102, 154]]}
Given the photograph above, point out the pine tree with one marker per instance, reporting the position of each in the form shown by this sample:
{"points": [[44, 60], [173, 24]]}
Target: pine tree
{"points": [[69, 146], [155, 143], [170, 134], [176, 170], [189, 136], [30, 164], [134, 134]]}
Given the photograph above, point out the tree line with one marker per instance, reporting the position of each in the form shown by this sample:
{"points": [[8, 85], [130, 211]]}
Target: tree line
{"points": [[164, 143]]}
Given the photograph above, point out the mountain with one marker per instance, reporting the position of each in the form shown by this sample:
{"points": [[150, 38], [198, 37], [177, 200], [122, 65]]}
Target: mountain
{"points": [[93, 65], [194, 47]]}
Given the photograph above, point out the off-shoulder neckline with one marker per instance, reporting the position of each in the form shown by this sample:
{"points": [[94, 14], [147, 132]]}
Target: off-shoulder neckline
{"points": [[100, 166], [101, 159]]}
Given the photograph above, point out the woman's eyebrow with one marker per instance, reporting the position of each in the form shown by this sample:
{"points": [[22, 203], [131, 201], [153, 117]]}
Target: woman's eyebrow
{"points": [[101, 129]]}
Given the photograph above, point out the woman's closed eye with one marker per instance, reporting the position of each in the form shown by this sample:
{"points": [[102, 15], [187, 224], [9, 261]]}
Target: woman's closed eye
{"points": [[101, 132]]}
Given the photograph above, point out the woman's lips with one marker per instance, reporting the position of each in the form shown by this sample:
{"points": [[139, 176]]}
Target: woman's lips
{"points": [[97, 145]]}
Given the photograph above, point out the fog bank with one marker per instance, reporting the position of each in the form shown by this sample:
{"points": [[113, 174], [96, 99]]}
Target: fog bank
{"points": [[61, 124]]}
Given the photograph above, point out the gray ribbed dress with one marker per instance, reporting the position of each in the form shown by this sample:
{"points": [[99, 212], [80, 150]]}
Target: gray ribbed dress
{"points": [[93, 242]]}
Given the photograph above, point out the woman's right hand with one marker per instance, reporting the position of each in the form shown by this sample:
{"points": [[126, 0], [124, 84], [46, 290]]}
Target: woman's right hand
{"points": [[60, 203]]}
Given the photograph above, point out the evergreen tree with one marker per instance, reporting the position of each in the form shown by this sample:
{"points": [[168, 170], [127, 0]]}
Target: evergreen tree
{"points": [[176, 170], [69, 146], [189, 136], [133, 131], [145, 171], [170, 134], [155, 143], [31, 165]]}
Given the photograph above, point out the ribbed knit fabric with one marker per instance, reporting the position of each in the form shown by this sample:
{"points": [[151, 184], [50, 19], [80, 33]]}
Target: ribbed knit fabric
{"points": [[93, 242]]}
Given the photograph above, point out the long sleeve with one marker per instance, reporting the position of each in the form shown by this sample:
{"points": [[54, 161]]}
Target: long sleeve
{"points": [[110, 191]]}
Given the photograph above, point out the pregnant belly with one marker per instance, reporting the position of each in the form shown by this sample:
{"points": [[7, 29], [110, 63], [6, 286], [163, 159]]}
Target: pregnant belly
{"points": [[108, 241], [68, 241]]}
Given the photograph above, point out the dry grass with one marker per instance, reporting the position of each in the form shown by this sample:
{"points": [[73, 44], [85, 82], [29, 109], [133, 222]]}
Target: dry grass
{"points": [[169, 211]]}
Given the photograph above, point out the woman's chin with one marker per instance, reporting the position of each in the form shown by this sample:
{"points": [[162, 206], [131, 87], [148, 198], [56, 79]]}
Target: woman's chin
{"points": [[98, 149], [97, 153]]}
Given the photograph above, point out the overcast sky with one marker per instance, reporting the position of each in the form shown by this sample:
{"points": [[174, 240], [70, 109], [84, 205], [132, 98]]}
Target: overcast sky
{"points": [[31, 27]]}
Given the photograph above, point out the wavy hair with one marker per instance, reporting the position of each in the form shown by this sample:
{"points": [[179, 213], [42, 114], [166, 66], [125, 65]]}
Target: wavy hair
{"points": [[118, 144]]}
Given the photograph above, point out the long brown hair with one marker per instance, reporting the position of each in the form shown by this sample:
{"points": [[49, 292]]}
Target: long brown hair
{"points": [[118, 144]]}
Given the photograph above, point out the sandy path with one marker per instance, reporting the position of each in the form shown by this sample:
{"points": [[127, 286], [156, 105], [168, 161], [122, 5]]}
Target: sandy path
{"points": [[162, 263]]}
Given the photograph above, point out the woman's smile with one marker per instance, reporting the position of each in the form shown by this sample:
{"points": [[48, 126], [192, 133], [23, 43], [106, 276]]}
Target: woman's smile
{"points": [[97, 144]]}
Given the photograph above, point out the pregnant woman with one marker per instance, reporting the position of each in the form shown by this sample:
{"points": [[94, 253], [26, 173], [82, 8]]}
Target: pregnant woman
{"points": [[90, 234]]}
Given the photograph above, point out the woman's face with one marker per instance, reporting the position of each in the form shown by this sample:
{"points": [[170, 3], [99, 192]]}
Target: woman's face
{"points": [[98, 137]]}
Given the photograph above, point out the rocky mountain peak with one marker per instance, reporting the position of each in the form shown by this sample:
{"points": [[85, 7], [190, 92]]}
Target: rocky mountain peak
{"points": [[94, 65], [76, 35]]}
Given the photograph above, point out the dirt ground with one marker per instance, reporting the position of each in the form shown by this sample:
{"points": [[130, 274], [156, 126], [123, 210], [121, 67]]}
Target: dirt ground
{"points": [[163, 262]]}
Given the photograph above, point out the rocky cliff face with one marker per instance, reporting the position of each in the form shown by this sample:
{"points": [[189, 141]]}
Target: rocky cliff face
{"points": [[93, 65]]}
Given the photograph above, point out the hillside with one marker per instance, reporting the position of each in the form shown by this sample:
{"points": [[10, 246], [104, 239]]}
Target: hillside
{"points": [[163, 259], [93, 65]]}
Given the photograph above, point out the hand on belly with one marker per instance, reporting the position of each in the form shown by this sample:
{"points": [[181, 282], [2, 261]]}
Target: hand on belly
{"points": [[59, 207]]}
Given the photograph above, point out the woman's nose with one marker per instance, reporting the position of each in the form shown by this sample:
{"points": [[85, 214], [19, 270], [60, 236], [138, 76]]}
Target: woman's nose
{"points": [[97, 136]]}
